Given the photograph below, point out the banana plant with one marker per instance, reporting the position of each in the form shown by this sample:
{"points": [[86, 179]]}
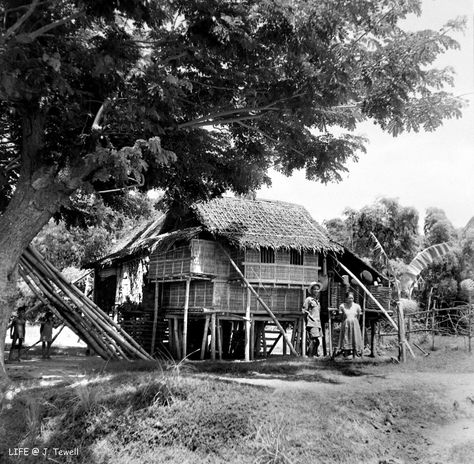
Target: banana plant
{"points": [[419, 263]]}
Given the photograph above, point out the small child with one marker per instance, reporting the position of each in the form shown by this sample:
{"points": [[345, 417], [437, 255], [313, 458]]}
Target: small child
{"points": [[46, 333], [17, 333]]}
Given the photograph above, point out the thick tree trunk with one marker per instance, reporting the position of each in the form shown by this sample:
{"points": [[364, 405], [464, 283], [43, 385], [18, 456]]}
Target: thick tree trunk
{"points": [[25, 216], [38, 194]]}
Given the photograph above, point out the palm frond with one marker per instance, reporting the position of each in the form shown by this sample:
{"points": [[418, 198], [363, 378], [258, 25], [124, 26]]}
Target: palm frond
{"points": [[427, 256], [379, 252]]}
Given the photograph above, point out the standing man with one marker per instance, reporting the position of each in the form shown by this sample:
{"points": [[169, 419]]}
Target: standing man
{"points": [[17, 332], [312, 309], [46, 334]]}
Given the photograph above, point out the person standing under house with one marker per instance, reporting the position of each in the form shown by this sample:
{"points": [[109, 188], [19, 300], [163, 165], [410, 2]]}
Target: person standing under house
{"points": [[17, 332], [350, 338], [46, 334], [312, 309]]}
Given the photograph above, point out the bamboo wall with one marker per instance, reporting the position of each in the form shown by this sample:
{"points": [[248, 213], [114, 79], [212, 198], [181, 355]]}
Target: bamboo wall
{"points": [[281, 271], [174, 293], [208, 258], [174, 262], [337, 295]]}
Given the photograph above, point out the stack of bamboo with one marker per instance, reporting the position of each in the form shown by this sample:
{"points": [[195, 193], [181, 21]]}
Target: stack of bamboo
{"points": [[83, 316]]}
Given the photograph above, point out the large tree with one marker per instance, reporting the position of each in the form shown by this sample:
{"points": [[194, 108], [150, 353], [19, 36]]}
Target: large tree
{"points": [[395, 226], [99, 93]]}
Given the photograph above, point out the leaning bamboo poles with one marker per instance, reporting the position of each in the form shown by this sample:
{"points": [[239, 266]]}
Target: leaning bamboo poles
{"points": [[264, 305], [83, 316]]}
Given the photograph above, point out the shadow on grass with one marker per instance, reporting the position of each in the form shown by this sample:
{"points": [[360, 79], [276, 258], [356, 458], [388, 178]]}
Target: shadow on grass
{"points": [[290, 369]]}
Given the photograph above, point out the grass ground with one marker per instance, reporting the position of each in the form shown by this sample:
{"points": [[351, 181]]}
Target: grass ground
{"points": [[283, 410]]}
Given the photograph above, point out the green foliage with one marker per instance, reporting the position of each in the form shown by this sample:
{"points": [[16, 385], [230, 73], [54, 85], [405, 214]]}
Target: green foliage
{"points": [[92, 229], [105, 93], [437, 227], [395, 227]]}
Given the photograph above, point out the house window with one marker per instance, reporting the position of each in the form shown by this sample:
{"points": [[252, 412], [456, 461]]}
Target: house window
{"points": [[267, 255], [296, 257]]}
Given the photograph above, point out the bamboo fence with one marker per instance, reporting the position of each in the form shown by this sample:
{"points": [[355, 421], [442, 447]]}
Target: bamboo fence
{"points": [[79, 313]]}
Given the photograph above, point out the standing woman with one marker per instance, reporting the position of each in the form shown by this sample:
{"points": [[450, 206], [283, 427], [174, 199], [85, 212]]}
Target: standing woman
{"points": [[350, 339]]}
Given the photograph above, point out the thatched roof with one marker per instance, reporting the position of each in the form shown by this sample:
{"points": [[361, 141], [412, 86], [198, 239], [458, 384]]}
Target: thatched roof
{"points": [[135, 243], [263, 223], [241, 222]]}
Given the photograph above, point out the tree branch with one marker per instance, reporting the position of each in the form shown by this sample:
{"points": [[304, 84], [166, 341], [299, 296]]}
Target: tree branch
{"points": [[12, 29], [42, 30], [269, 137]]}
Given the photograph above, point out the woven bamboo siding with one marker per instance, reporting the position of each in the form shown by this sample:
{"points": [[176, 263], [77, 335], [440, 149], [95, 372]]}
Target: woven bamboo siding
{"points": [[174, 262], [279, 299], [200, 294], [311, 259], [238, 256], [280, 273], [208, 258], [382, 294]]}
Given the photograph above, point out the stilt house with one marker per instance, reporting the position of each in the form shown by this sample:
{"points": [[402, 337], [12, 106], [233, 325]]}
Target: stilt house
{"points": [[226, 280]]}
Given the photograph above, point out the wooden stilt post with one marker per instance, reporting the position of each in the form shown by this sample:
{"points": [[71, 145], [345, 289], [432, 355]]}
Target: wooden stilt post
{"points": [[185, 318], [170, 335], [176, 337], [433, 328], [213, 336], [470, 323], [219, 339], [265, 306], [402, 354], [303, 341], [363, 323], [252, 340], [155, 320], [330, 333], [247, 326], [372, 338], [204, 338]]}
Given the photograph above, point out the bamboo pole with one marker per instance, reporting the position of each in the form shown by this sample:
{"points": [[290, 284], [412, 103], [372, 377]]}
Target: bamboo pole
{"points": [[38, 268], [155, 319], [428, 307], [252, 340], [94, 313], [80, 300], [402, 355], [176, 338], [303, 338], [219, 339], [204, 337], [68, 316], [470, 323], [213, 336], [247, 325], [363, 322], [267, 309], [369, 294], [185, 318], [433, 322]]}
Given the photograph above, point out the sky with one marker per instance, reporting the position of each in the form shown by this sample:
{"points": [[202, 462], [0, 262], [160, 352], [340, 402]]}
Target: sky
{"points": [[420, 169]]}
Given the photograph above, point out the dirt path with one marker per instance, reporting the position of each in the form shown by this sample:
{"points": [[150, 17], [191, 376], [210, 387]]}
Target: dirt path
{"points": [[449, 444]]}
